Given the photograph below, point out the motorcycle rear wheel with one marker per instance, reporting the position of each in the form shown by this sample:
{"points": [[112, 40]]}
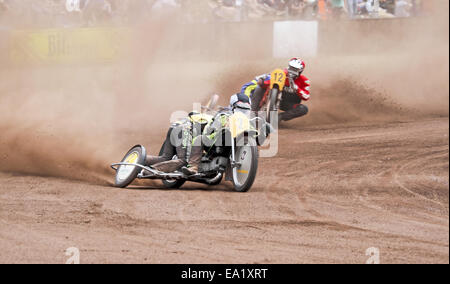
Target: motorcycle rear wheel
{"points": [[173, 184]]}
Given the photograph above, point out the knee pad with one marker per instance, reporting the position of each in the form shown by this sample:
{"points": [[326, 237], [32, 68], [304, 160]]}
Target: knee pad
{"points": [[302, 110], [299, 111]]}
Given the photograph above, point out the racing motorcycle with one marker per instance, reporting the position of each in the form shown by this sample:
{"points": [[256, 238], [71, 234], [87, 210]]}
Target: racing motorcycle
{"points": [[270, 103], [235, 158]]}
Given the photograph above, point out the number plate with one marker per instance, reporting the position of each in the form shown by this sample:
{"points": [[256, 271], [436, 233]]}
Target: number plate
{"points": [[278, 77]]}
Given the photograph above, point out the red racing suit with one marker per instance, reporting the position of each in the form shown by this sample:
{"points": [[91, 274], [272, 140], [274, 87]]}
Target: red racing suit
{"points": [[291, 99], [303, 89]]}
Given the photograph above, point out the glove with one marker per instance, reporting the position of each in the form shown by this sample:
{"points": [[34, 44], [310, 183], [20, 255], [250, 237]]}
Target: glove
{"points": [[260, 79], [305, 96], [288, 90], [291, 90]]}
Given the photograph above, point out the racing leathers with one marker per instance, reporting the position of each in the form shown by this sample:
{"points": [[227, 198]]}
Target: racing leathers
{"points": [[177, 144], [207, 138], [249, 88], [292, 97]]}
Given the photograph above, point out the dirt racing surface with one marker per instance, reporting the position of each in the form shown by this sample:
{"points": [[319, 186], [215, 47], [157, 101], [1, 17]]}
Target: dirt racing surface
{"points": [[350, 188], [367, 168]]}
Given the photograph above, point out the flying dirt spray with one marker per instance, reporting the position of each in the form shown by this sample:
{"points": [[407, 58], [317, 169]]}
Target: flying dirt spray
{"points": [[72, 120]]}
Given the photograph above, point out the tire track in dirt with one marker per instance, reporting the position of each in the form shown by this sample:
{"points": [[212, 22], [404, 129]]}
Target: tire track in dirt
{"points": [[325, 198], [421, 163], [383, 177], [390, 176]]}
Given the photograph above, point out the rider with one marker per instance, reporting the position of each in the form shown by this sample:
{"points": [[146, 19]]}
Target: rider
{"points": [[290, 104], [249, 88], [209, 134], [177, 143]]}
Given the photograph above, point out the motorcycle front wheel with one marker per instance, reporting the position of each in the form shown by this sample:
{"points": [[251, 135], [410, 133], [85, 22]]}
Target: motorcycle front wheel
{"points": [[247, 157], [272, 106]]}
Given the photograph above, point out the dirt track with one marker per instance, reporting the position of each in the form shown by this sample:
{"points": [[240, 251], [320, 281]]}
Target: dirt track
{"points": [[368, 167], [331, 193]]}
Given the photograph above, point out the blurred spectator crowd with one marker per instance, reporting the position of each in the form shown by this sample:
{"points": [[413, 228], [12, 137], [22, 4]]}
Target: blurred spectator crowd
{"points": [[316, 9], [97, 12]]}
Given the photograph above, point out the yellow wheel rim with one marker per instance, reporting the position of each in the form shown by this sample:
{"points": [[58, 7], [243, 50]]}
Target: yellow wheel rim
{"points": [[132, 159], [125, 171]]}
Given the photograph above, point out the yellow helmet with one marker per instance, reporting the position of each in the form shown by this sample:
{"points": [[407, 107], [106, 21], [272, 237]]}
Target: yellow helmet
{"points": [[201, 118]]}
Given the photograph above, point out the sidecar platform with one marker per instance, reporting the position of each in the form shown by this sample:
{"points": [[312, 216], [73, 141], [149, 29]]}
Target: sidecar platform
{"points": [[150, 173]]}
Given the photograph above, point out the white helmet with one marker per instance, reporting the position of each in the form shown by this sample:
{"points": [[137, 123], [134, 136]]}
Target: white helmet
{"points": [[296, 67], [240, 100]]}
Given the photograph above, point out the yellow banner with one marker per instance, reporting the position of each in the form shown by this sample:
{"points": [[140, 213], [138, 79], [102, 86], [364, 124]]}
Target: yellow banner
{"points": [[67, 45]]}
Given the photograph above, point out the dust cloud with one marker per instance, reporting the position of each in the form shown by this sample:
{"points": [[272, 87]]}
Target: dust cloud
{"points": [[72, 121]]}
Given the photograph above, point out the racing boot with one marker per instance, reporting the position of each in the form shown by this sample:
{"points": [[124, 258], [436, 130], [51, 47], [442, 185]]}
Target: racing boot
{"points": [[169, 166], [153, 160], [194, 161]]}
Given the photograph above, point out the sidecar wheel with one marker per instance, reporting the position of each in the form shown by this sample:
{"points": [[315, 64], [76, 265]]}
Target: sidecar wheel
{"points": [[127, 174]]}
